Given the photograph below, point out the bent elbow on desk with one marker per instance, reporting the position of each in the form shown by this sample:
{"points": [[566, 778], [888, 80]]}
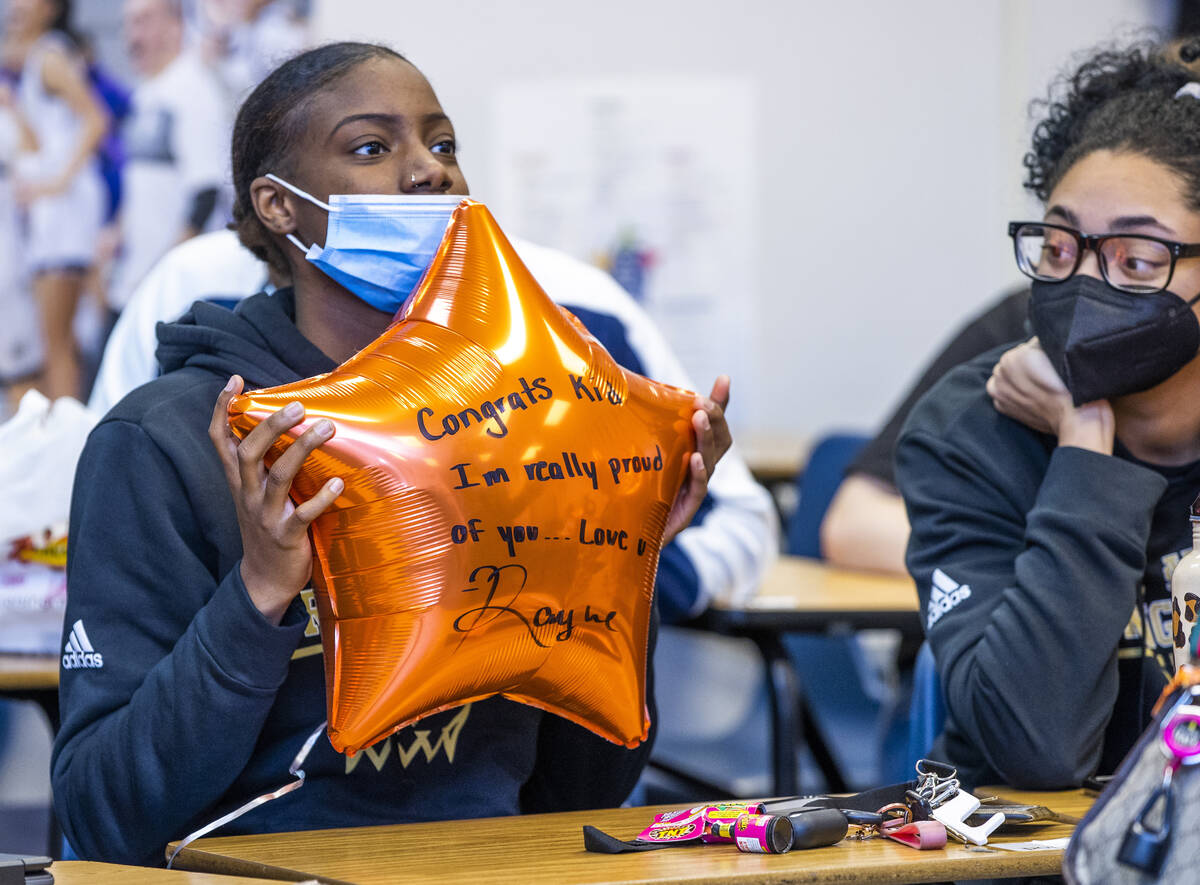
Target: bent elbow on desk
{"points": [[93, 829], [1030, 746]]}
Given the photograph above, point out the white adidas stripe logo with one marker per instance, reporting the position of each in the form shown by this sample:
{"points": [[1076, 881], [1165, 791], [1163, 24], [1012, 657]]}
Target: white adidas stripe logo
{"points": [[945, 595], [78, 652]]}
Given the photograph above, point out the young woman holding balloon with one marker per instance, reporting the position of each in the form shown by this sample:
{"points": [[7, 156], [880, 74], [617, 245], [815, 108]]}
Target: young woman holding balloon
{"points": [[190, 564], [1048, 487]]}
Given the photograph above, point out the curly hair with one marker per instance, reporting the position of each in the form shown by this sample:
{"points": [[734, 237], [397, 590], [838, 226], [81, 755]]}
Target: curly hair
{"points": [[271, 121], [1121, 100]]}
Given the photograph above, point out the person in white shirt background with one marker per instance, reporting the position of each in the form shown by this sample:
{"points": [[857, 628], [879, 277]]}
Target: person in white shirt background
{"points": [[58, 185], [20, 343], [244, 40], [176, 137]]}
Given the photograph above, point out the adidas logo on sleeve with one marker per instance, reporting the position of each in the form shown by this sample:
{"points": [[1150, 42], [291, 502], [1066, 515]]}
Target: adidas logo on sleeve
{"points": [[947, 593], [78, 652]]}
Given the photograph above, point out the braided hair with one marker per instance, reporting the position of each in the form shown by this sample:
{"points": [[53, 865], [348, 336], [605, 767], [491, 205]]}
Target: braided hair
{"points": [[272, 119], [1121, 100]]}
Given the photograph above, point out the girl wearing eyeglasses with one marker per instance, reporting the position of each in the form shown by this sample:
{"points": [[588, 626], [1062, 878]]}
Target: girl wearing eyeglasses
{"points": [[1048, 487]]}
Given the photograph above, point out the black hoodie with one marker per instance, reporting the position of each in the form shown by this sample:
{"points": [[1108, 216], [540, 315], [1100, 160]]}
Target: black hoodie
{"points": [[1044, 576], [190, 702]]}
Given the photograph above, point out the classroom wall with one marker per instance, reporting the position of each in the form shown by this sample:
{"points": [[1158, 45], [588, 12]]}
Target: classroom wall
{"points": [[886, 131]]}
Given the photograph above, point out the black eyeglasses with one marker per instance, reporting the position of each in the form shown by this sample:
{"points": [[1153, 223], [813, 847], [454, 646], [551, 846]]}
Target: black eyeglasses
{"points": [[1130, 262]]}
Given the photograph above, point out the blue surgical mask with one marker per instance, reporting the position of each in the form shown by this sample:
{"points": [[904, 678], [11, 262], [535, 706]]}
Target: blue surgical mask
{"points": [[378, 245]]}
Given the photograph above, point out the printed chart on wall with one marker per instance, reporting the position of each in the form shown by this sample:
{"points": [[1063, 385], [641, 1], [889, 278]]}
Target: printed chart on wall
{"points": [[653, 181]]}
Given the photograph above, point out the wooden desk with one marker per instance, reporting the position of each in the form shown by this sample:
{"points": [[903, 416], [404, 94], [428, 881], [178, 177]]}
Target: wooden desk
{"points": [[28, 672], [807, 596], [80, 872], [774, 458], [549, 848], [31, 678]]}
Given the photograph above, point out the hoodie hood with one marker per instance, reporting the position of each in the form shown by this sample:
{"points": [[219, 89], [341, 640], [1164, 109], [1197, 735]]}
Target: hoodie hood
{"points": [[257, 340]]}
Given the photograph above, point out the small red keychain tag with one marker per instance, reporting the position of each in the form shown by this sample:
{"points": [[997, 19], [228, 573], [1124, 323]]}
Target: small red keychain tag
{"points": [[922, 834]]}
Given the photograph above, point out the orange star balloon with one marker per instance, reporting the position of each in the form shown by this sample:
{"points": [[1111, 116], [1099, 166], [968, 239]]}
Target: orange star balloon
{"points": [[506, 489]]}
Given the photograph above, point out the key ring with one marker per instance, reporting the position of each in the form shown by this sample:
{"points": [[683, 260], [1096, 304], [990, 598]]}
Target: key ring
{"points": [[865, 832], [1180, 734], [896, 811], [934, 787]]}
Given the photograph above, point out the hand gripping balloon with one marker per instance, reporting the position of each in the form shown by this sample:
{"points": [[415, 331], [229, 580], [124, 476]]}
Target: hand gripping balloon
{"points": [[506, 489]]}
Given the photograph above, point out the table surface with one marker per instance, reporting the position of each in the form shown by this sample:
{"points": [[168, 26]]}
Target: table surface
{"points": [[28, 672], [80, 872], [796, 582], [549, 848], [773, 457], [806, 594]]}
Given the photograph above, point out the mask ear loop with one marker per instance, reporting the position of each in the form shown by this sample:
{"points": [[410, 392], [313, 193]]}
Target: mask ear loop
{"points": [[294, 769], [295, 241], [1187, 305], [304, 195]]}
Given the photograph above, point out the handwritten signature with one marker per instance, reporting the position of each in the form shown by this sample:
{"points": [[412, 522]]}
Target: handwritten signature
{"points": [[485, 614]]}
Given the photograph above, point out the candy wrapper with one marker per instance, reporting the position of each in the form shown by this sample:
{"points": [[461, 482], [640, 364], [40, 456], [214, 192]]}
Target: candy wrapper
{"points": [[742, 823]]}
